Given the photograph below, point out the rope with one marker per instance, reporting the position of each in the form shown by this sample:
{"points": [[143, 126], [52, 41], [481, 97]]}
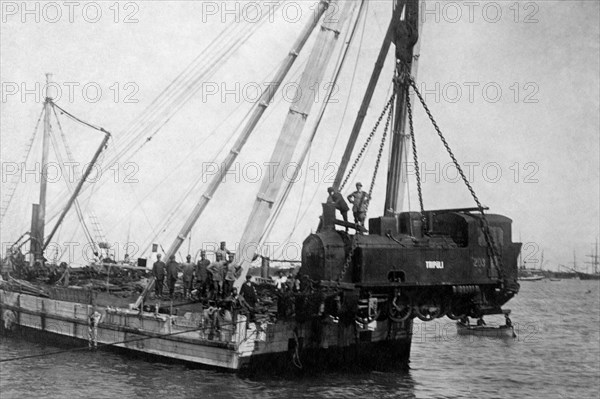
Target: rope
{"points": [[296, 357], [62, 134], [100, 129]]}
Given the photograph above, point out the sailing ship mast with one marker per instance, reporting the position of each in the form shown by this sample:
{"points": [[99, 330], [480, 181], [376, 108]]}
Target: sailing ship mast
{"points": [[594, 262], [38, 219], [39, 241]]}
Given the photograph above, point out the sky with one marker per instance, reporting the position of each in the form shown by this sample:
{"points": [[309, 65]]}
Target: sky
{"points": [[514, 86]]}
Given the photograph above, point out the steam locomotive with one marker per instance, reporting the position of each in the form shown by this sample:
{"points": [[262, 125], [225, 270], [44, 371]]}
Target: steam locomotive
{"points": [[417, 265]]}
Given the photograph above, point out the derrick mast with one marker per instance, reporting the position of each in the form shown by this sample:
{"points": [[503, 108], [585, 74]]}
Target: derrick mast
{"points": [[405, 36]]}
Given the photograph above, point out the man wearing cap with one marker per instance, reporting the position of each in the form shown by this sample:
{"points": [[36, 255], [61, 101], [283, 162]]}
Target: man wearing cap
{"points": [[172, 269], [360, 201], [338, 200], [158, 270], [188, 277], [248, 292], [202, 273], [223, 251], [218, 270]]}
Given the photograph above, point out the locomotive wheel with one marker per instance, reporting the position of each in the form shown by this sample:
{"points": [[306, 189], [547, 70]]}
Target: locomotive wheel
{"points": [[429, 311], [400, 309], [456, 310], [455, 316]]}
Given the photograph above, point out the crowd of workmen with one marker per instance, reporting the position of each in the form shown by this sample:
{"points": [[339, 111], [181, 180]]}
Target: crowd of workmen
{"points": [[202, 279]]}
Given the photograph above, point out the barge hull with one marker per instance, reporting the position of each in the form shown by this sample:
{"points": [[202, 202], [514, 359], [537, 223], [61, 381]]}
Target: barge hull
{"points": [[281, 346]]}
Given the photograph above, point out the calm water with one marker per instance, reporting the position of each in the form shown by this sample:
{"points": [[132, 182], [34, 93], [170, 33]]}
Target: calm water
{"points": [[556, 355]]}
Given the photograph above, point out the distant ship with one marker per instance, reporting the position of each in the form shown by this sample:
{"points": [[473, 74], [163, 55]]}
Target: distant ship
{"points": [[530, 274], [531, 278], [594, 263]]}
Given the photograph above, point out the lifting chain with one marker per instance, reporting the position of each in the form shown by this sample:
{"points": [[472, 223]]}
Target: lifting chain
{"points": [[415, 156], [377, 162], [381, 145], [496, 259], [348, 258], [366, 144]]}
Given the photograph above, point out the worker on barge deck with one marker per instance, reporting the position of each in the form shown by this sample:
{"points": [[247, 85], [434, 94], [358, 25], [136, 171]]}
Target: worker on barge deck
{"points": [[201, 275], [158, 270], [172, 270], [188, 277]]}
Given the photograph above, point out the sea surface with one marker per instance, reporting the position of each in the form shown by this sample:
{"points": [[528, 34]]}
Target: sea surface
{"points": [[556, 355]]}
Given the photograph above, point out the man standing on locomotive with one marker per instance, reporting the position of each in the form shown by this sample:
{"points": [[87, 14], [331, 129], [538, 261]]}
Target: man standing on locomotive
{"points": [[360, 202]]}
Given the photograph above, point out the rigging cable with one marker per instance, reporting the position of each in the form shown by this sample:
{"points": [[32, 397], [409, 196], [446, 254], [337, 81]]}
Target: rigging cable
{"points": [[178, 95], [80, 214], [172, 92], [100, 129], [194, 185], [70, 187], [192, 86], [192, 150], [138, 205], [15, 181]]}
